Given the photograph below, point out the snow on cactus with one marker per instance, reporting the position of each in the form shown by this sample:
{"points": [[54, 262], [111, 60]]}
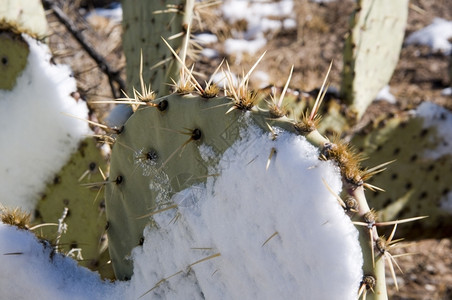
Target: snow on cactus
{"points": [[38, 138], [254, 234], [248, 233]]}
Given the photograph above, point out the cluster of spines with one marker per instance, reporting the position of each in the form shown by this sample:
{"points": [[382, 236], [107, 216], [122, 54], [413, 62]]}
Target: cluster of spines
{"points": [[15, 217]]}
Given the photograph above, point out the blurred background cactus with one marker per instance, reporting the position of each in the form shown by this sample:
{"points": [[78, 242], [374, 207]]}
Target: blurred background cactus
{"points": [[371, 52]]}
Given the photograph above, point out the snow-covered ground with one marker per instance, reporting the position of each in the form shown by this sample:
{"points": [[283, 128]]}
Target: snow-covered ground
{"points": [[261, 17], [246, 234]]}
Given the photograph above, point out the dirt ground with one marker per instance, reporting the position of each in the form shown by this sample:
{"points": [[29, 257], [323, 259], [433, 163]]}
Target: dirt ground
{"points": [[318, 38]]}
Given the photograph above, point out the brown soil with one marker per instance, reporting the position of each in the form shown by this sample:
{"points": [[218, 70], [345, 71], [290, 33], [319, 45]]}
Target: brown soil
{"points": [[318, 39]]}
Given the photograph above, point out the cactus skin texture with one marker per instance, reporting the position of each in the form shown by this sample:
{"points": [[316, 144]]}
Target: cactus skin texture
{"points": [[415, 183], [86, 219], [371, 51], [145, 23], [14, 54]]}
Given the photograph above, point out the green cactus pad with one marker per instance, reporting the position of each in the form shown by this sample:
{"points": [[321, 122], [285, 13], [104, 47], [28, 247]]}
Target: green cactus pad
{"points": [[86, 216], [157, 155], [416, 184], [372, 50], [145, 23]]}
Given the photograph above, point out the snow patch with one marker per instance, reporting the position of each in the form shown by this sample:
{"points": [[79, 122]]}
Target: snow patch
{"points": [[206, 38], [435, 35], [447, 91], [385, 95], [220, 79], [209, 53], [31, 270], [261, 17], [240, 46]]}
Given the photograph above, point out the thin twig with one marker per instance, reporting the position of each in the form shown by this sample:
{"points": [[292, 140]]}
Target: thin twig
{"points": [[113, 76]]}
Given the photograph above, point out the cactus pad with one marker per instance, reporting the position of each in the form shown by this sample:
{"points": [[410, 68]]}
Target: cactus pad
{"points": [[417, 183], [86, 216], [372, 50]]}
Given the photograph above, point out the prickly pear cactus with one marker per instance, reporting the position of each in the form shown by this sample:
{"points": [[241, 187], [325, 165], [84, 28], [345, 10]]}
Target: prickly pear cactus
{"points": [[417, 183], [157, 153], [74, 188], [371, 51]]}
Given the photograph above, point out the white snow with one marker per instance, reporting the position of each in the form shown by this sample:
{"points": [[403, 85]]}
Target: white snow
{"points": [[239, 46], [205, 38], [245, 234], [447, 91], [289, 24], [262, 17], [441, 119], [261, 79], [209, 53], [220, 78], [435, 35], [385, 95], [256, 13], [37, 138], [31, 271]]}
